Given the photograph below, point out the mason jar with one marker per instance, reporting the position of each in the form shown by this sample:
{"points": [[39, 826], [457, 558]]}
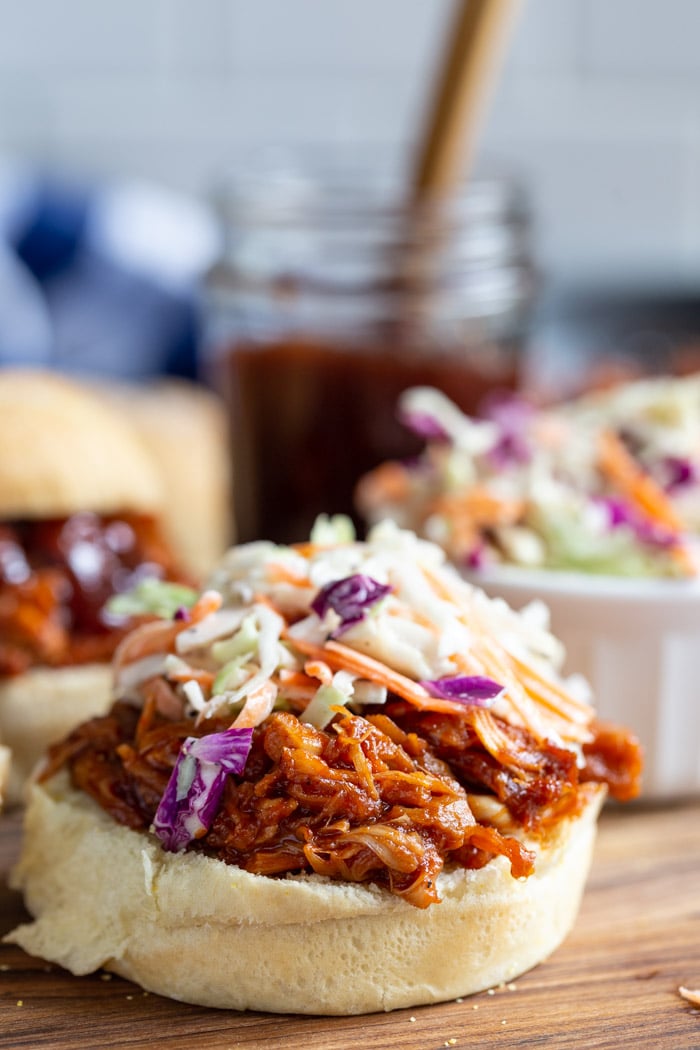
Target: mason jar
{"points": [[332, 295]]}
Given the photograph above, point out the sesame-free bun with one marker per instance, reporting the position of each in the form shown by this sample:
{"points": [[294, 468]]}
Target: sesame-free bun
{"points": [[185, 431], [64, 450], [41, 706], [195, 929]]}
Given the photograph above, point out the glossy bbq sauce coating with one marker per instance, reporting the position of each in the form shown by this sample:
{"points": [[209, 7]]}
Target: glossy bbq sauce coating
{"points": [[55, 577], [384, 799]]}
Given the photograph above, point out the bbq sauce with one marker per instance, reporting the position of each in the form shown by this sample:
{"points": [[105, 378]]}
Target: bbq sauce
{"points": [[309, 418], [101, 556], [56, 576], [333, 292]]}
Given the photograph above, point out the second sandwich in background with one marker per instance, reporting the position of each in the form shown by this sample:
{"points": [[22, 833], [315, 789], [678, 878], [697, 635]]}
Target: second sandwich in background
{"points": [[80, 519]]}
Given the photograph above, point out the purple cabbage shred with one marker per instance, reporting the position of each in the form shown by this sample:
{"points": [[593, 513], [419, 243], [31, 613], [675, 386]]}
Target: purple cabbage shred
{"points": [[512, 415], [192, 797], [477, 558], [424, 425], [350, 598], [621, 513], [678, 472], [465, 689]]}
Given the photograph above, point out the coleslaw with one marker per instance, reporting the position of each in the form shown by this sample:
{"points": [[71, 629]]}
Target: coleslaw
{"points": [[607, 484], [353, 709]]}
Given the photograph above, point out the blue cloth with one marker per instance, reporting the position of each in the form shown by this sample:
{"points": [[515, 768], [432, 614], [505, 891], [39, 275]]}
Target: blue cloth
{"points": [[103, 279]]}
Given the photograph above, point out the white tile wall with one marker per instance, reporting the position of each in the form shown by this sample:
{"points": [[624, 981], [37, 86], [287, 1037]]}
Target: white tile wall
{"points": [[593, 204], [642, 38], [547, 37], [194, 37], [598, 106], [335, 36], [40, 38]]}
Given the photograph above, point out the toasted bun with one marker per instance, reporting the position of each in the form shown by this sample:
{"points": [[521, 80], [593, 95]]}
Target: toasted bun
{"points": [[63, 450], [42, 706], [195, 929], [184, 429]]}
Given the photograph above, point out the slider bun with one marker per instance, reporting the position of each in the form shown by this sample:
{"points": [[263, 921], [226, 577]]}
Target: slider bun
{"points": [[185, 431], [41, 706], [194, 929], [63, 450]]}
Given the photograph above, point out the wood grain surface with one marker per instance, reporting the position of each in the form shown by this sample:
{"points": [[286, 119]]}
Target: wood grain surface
{"points": [[613, 984]]}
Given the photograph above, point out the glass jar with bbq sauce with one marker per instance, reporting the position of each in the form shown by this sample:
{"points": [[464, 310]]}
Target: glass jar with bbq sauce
{"points": [[331, 297]]}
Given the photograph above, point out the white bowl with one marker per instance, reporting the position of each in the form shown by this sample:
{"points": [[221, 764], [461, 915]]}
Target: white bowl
{"points": [[638, 644]]}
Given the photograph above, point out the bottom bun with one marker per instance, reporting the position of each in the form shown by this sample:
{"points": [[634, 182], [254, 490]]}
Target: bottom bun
{"points": [[41, 706], [195, 929]]}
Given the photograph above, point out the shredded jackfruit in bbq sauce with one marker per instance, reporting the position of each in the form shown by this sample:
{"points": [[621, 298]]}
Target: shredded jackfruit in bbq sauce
{"points": [[380, 793], [55, 578]]}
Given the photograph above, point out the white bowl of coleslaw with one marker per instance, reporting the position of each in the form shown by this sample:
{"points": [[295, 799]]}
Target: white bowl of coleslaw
{"points": [[637, 642], [593, 507]]}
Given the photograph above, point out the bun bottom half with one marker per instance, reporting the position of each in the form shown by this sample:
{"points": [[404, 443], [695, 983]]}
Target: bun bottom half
{"points": [[43, 705], [194, 929]]}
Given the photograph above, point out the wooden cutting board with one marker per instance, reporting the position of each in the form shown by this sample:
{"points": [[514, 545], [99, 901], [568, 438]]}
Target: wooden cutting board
{"points": [[613, 984]]}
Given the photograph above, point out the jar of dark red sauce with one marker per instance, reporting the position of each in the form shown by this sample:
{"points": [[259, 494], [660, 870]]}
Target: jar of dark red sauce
{"points": [[331, 296]]}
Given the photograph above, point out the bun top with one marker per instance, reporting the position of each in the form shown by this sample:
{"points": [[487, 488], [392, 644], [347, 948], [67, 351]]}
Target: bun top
{"points": [[63, 450], [184, 429]]}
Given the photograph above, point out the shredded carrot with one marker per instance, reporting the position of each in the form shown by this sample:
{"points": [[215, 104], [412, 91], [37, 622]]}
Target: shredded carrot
{"points": [[258, 705], [479, 506], [158, 636], [387, 482], [149, 639], [318, 669], [343, 658], [681, 555], [295, 686], [467, 663], [307, 550], [523, 708], [552, 694], [441, 588], [264, 599], [279, 573], [207, 603], [295, 678], [193, 674], [485, 656], [623, 471], [564, 711]]}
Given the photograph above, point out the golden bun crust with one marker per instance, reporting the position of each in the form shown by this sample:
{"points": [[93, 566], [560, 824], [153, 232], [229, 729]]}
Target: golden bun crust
{"points": [[185, 431], [194, 929], [41, 706], [63, 450]]}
